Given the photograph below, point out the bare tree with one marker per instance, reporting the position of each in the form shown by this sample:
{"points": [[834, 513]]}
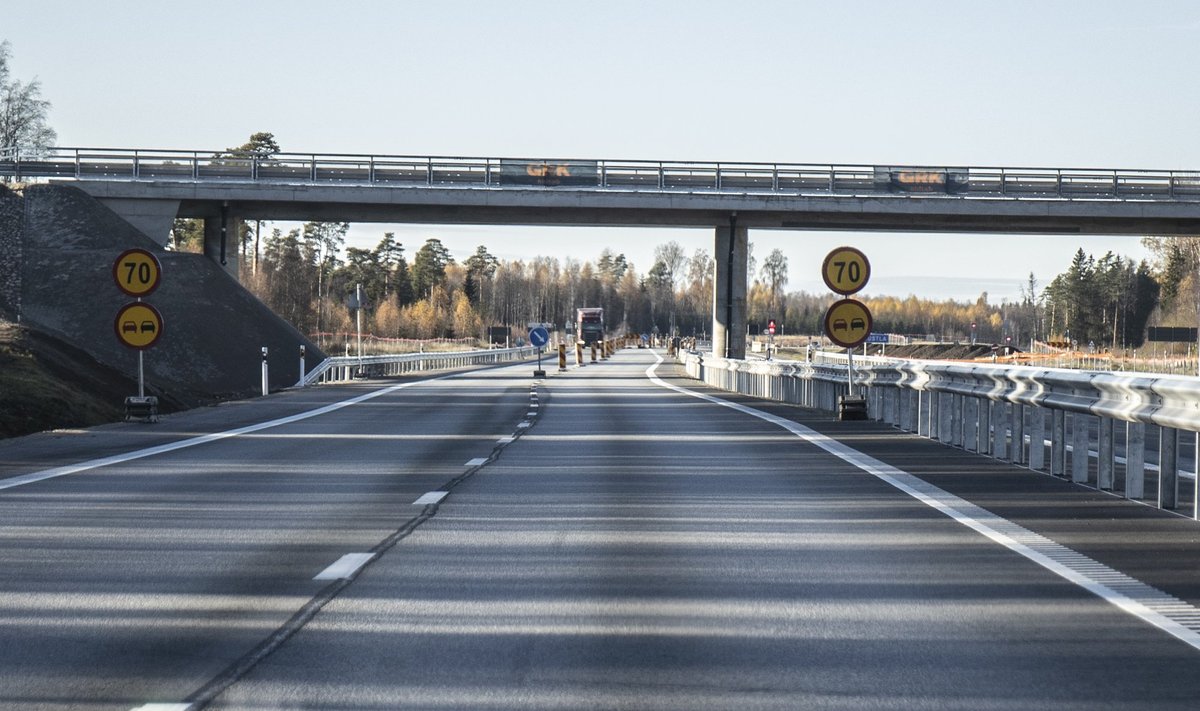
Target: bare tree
{"points": [[775, 274], [23, 111]]}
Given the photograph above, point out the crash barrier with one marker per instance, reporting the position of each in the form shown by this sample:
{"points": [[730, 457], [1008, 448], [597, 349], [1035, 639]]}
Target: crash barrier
{"points": [[342, 369], [1041, 418]]}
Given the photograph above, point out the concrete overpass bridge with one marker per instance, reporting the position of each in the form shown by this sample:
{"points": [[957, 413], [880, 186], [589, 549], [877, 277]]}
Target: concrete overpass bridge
{"points": [[150, 188]]}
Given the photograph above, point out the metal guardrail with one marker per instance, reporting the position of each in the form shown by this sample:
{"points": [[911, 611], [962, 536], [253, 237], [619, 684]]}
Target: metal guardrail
{"points": [[736, 178], [347, 368], [1009, 412]]}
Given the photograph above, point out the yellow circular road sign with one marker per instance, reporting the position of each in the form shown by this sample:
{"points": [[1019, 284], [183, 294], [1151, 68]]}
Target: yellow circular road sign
{"points": [[848, 323], [138, 325], [846, 270], [137, 272]]}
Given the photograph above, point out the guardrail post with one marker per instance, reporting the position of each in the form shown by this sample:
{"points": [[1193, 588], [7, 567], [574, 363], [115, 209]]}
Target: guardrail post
{"points": [[946, 418], [983, 431], [935, 415], [999, 431], [971, 424], [1168, 467], [923, 416], [1104, 445], [1080, 436], [956, 419], [1058, 443], [1017, 446], [1037, 439]]}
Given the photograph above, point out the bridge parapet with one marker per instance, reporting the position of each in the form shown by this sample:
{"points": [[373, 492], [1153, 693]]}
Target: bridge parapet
{"points": [[735, 178]]}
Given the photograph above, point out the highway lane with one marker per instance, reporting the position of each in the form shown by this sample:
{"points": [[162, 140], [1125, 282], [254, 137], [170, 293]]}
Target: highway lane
{"points": [[144, 580], [643, 549]]}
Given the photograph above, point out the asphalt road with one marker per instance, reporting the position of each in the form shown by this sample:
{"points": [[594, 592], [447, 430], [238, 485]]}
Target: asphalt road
{"points": [[634, 547]]}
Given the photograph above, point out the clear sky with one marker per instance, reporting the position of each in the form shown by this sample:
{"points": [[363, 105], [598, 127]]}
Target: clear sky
{"points": [[1016, 83]]}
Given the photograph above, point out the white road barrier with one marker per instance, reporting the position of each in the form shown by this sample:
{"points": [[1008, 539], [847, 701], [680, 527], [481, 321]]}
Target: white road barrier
{"points": [[1014, 413]]}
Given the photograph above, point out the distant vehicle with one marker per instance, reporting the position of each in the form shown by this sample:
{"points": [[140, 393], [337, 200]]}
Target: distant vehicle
{"points": [[839, 324], [148, 327], [857, 323], [128, 327], [589, 325]]}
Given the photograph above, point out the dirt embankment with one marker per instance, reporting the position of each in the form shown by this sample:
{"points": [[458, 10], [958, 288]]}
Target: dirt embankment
{"points": [[46, 384]]}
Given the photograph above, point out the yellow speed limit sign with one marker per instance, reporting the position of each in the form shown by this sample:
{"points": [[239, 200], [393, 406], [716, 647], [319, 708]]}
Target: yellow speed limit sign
{"points": [[138, 325], [137, 272], [848, 323], [846, 270]]}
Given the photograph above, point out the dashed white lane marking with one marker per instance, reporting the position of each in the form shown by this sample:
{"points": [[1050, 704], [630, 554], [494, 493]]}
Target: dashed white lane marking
{"points": [[344, 567], [204, 439], [505, 440], [475, 462], [1169, 614], [533, 404], [431, 497], [531, 413], [163, 707], [522, 425]]}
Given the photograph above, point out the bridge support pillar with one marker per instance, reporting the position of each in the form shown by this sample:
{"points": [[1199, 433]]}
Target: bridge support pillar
{"points": [[222, 240], [729, 291], [153, 218]]}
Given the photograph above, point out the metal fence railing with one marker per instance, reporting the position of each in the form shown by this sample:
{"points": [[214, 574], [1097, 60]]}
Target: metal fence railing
{"points": [[637, 175], [1036, 417], [342, 369]]}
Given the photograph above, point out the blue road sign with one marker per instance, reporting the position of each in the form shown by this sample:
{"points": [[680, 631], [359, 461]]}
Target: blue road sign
{"points": [[539, 336], [645, 338], [877, 338]]}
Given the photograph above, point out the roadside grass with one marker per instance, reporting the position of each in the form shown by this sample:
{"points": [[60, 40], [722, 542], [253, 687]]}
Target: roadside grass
{"points": [[35, 396]]}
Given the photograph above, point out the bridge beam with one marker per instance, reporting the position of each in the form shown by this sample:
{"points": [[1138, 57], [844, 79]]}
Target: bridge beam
{"points": [[221, 239], [729, 291]]}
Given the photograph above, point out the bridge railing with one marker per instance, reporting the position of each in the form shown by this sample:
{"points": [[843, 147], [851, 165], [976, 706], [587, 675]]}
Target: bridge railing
{"points": [[1018, 414], [635, 175], [344, 369]]}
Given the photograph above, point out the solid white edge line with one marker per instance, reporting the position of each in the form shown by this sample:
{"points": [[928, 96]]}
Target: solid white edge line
{"points": [[203, 439], [344, 567], [431, 497], [955, 508], [162, 707]]}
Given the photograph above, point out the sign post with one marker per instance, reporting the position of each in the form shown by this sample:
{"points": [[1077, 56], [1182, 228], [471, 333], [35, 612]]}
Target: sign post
{"points": [[138, 325], [848, 322], [538, 338]]}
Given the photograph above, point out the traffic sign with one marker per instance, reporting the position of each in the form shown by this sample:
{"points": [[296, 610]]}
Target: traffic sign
{"points": [[877, 338], [137, 272], [539, 336], [771, 327], [138, 325], [848, 323], [846, 270]]}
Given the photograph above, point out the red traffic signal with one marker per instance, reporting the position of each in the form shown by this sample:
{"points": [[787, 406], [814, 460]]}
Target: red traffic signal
{"points": [[771, 327]]}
